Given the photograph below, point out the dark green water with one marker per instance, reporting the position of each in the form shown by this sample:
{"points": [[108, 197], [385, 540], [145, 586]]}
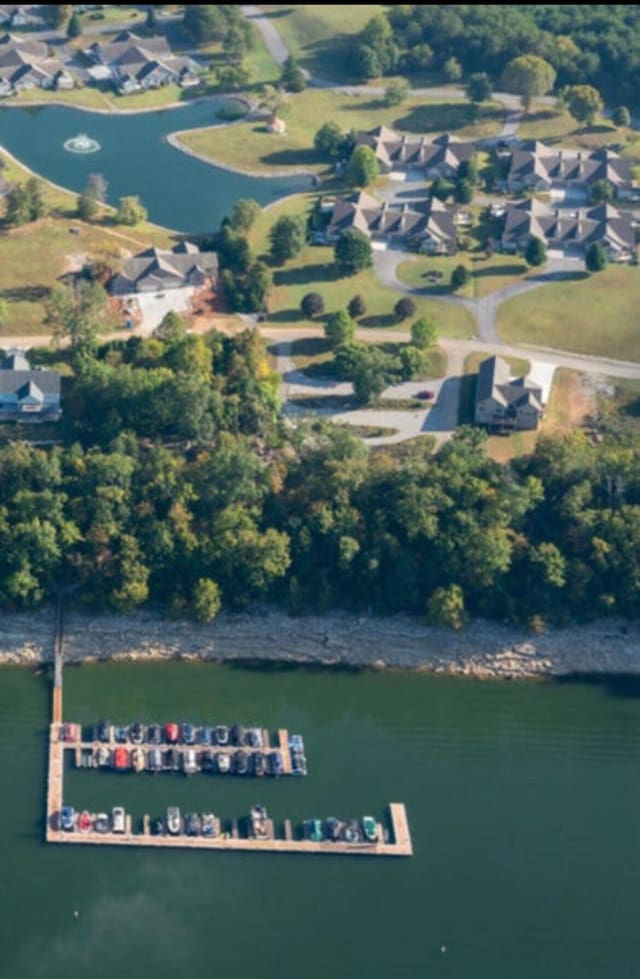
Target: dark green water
{"points": [[523, 799], [178, 191]]}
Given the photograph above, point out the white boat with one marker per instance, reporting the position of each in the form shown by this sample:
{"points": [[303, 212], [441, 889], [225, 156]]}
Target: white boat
{"points": [[118, 819], [224, 762], [189, 762], [174, 820]]}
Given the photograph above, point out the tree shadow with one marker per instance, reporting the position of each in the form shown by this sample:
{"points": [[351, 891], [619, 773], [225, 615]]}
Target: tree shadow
{"points": [[285, 316], [289, 157], [445, 116], [511, 269], [623, 685], [310, 347], [383, 321], [25, 294], [305, 275]]}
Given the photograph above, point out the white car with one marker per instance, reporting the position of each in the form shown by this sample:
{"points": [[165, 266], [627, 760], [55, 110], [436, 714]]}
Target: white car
{"points": [[117, 819]]}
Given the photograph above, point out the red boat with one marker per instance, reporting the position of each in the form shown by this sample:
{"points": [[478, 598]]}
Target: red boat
{"points": [[121, 760], [171, 733], [84, 821]]}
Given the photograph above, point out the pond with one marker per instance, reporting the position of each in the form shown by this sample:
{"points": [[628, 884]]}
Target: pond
{"points": [[178, 190]]}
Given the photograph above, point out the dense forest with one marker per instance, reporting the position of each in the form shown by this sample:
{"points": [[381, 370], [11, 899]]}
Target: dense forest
{"points": [[598, 44], [178, 483]]}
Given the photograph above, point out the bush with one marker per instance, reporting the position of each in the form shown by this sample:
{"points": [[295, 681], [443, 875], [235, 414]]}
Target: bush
{"points": [[460, 277], [312, 304], [596, 257], [340, 329], [535, 252], [621, 116], [404, 308], [353, 252], [357, 307]]}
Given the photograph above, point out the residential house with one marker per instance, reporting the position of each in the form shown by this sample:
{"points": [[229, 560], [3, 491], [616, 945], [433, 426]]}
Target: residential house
{"points": [[426, 226], [540, 167], [440, 157], [24, 64], [504, 404], [26, 394], [569, 232], [134, 64], [156, 270]]}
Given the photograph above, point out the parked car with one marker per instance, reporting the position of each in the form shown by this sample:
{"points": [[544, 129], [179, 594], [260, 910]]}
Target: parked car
{"points": [[426, 395]]}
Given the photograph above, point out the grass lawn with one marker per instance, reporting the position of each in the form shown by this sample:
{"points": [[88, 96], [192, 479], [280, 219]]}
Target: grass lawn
{"points": [[34, 255], [557, 126], [247, 145], [319, 35], [503, 448], [131, 16], [314, 271], [87, 96], [595, 314], [487, 274]]}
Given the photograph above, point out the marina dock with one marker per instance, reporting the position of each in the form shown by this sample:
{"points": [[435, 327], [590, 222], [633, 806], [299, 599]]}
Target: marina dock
{"points": [[393, 840]]}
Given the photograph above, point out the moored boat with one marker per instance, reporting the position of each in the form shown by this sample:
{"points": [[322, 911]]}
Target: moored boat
{"points": [[174, 820], [103, 756], [224, 762], [154, 759], [192, 824], [189, 762], [222, 734], [102, 823], [241, 763], [85, 821], [209, 824], [275, 763], [118, 817], [67, 818], [370, 829], [171, 733], [313, 830], [121, 760], [137, 733], [188, 734], [259, 766], [137, 759]]}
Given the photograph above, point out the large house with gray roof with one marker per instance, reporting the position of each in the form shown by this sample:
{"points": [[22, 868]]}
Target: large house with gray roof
{"points": [[543, 168], [504, 404], [25, 64], [134, 64], [426, 226], [569, 231], [440, 157], [27, 394], [155, 270]]}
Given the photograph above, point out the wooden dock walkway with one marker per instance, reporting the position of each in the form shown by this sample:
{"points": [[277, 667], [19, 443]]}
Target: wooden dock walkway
{"points": [[399, 844]]}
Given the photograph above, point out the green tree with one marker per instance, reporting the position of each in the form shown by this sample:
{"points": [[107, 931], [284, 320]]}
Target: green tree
{"points": [[312, 304], [328, 140], [445, 607], [339, 329], [596, 257], [536, 252], [287, 238], [441, 189], [87, 205], [460, 277], [528, 76], [601, 190], [204, 23], [292, 76], [98, 186], [478, 88], [206, 601], [74, 27], [357, 307], [57, 14], [468, 170], [37, 202], [452, 70], [231, 78], [234, 44], [353, 252], [362, 168], [583, 102], [404, 309], [151, 22], [130, 211], [245, 213], [172, 328], [18, 209], [621, 116], [78, 314], [396, 92], [423, 333], [463, 191]]}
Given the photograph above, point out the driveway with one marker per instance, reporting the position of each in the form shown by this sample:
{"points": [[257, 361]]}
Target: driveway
{"points": [[154, 306]]}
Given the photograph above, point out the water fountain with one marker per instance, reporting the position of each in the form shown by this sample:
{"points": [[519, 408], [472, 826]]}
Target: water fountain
{"points": [[81, 144]]}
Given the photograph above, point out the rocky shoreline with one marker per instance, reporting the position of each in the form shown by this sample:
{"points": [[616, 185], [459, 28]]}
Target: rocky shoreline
{"points": [[340, 640]]}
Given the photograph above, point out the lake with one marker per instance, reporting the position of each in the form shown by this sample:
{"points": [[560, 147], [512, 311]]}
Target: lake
{"points": [[523, 800], [178, 190]]}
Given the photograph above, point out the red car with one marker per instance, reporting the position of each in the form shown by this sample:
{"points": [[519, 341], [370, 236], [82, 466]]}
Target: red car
{"points": [[425, 395]]}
